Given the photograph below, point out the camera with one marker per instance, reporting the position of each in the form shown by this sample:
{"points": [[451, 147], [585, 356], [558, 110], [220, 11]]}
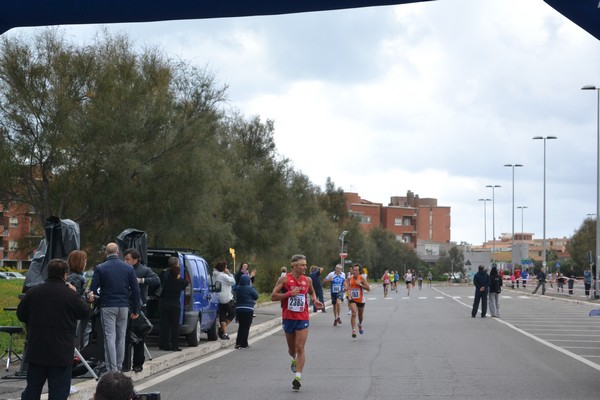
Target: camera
{"points": [[147, 396]]}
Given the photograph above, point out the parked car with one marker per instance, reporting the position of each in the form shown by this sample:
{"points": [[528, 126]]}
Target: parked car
{"points": [[4, 275], [199, 300], [15, 275]]}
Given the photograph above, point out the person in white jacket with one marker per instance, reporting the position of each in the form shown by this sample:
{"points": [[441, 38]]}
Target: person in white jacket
{"points": [[226, 304]]}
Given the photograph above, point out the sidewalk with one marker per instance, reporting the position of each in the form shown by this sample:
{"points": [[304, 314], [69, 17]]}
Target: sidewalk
{"points": [[268, 316]]}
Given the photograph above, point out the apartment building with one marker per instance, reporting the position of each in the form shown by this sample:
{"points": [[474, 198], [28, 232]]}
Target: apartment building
{"points": [[21, 232], [410, 218]]}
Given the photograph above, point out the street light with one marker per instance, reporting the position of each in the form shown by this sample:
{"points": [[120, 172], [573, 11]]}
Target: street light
{"points": [[522, 234], [512, 247], [342, 236], [484, 220], [592, 87], [493, 217], [544, 219]]}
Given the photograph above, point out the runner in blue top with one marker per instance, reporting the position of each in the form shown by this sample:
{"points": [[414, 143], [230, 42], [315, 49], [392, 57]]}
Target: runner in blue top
{"points": [[336, 279]]}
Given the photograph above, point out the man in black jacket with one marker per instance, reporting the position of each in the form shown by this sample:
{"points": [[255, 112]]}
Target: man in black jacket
{"points": [[51, 311], [482, 283], [146, 278]]}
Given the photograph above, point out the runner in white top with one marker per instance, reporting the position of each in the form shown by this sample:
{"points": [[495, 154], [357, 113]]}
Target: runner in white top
{"points": [[408, 278]]}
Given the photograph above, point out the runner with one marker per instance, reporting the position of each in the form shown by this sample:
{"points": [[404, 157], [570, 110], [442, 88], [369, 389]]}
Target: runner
{"points": [[293, 290], [386, 278], [408, 278], [356, 285], [420, 279], [396, 280], [429, 277], [336, 278]]}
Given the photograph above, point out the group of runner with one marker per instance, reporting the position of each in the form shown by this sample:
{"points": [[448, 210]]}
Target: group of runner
{"points": [[390, 280], [293, 289]]}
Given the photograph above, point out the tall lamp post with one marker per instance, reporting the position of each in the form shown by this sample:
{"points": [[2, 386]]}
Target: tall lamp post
{"points": [[512, 247], [522, 208], [342, 236], [484, 220], [493, 217], [544, 138], [597, 89]]}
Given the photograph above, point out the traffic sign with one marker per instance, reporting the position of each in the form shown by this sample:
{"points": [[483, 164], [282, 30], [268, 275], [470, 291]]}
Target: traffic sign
{"points": [[343, 255]]}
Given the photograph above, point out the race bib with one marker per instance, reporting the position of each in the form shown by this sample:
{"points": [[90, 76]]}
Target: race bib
{"points": [[355, 293], [336, 288], [297, 303]]}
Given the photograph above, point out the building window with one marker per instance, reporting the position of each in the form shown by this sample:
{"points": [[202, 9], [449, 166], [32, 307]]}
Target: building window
{"points": [[406, 239], [365, 219], [12, 246], [13, 222], [407, 221], [398, 222]]}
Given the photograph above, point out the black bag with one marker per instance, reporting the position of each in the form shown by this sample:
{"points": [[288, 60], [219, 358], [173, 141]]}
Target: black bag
{"points": [[141, 326]]}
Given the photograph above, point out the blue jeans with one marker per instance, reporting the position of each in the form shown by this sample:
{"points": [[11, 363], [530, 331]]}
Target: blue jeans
{"points": [[114, 325], [59, 382]]}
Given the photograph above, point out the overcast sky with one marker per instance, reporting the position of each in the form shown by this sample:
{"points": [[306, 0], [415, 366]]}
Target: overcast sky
{"points": [[430, 97]]}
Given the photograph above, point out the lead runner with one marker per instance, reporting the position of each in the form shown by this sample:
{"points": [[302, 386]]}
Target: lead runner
{"points": [[293, 290]]}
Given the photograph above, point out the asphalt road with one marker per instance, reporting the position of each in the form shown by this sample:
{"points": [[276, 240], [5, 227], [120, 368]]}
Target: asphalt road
{"points": [[422, 346]]}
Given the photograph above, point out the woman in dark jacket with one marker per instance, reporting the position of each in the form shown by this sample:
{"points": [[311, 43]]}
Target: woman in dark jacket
{"points": [[170, 306], [494, 295], [246, 297]]}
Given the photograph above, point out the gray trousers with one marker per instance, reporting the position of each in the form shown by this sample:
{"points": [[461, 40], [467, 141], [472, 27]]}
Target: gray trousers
{"points": [[114, 325], [494, 304]]}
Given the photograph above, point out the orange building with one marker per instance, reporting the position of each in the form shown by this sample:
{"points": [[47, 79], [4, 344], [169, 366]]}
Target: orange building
{"points": [[409, 218]]}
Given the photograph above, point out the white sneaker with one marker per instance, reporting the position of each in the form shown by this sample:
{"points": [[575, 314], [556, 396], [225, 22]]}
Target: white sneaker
{"points": [[349, 312]]}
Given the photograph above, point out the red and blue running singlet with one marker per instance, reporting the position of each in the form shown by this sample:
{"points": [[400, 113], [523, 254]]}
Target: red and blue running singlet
{"points": [[296, 307]]}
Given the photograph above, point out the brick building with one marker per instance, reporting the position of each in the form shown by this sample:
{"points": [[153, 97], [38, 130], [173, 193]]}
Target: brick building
{"points": [[21, 233], [410, 218]]}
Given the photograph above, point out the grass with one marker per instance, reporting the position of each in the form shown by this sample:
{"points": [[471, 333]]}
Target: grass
{"points": [[9, 290]]}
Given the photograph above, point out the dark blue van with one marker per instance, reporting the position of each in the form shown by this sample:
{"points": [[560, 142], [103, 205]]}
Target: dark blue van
{"points": [[199, 301]]}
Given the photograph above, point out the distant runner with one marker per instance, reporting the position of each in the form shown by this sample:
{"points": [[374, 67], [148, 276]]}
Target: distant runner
{"points": [[293, 291]]}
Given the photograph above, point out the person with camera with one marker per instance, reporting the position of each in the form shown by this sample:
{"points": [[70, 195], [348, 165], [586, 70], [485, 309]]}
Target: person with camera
{"points": [[51, 310], [117, 386], [145, 278]]}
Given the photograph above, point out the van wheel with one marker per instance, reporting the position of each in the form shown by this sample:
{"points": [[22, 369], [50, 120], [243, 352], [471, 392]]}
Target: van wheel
{"points": [[212, 331], [193, 338]]}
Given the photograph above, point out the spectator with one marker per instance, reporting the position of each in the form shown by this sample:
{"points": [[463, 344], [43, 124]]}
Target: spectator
{"points": [[244, 270], [114, 386], [587, 280], [571, 281], [560, 282], [283, 271], [51, 311], [226, 303], [495, 289], [541, 277], [525, 278], [246, 297], [481, 280], [118, 287], [145, 278], [170, 306], [315, 275], [77, 261]]}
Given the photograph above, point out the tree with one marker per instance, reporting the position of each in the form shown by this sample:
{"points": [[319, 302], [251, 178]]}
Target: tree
{"points": [[583, 242]]}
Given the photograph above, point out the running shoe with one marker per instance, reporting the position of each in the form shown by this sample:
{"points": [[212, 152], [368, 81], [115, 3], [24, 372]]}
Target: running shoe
{"points": [[354, 334], [296, 383], [339, 320], [360, 329], [349, 312], [293, 367], [335, 322]]}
